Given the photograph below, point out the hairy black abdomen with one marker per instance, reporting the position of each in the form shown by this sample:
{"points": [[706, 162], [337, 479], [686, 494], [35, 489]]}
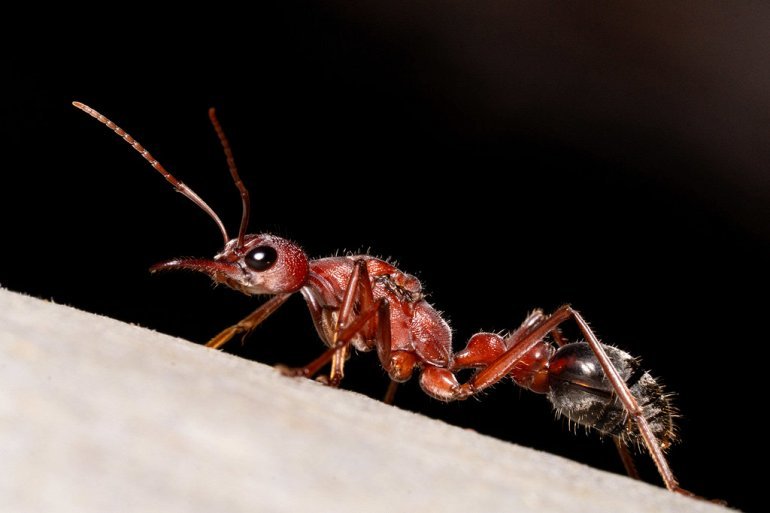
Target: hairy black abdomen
{"points": [[579, 390]]}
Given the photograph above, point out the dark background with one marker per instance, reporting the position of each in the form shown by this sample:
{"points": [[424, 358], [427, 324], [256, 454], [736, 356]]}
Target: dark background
{"points": [[512, 155]]}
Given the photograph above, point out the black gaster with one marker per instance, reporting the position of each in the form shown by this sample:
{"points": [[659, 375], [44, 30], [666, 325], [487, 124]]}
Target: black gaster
{"points": [[579, 390]]}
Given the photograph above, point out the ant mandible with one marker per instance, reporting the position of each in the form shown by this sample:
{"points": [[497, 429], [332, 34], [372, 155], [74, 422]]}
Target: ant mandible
{"points": [[367, 303]]}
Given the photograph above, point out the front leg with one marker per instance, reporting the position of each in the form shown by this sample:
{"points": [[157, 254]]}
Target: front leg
{"points": [[358, 314], [249, 323]]}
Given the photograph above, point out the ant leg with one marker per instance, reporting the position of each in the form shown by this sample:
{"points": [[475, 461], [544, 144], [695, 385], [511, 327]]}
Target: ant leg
{"points": [[390, 393], [532, 321], [372, 323], [343, 340], [558, 337], [630, 404], [358, 295], [500, 368], [523, 342], [398, 364], [484, 348], [626, 458], [338, 366], [442, 383], [250, 322]]}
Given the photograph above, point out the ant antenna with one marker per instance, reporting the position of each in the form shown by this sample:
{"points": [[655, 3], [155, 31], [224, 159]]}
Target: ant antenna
{"points": [[179, 186], [236, 177]]}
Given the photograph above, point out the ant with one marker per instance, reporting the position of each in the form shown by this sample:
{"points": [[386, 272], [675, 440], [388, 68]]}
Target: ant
{"points": [[366, 303]]}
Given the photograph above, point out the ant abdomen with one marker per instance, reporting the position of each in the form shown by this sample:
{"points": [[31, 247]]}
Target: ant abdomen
{"points": [[579, 389]]}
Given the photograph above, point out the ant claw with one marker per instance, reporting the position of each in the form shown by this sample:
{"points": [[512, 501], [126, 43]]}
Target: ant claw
{"points": [[688, 493]]}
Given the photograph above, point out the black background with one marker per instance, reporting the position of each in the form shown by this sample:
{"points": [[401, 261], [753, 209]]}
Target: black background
{"points": [[512, 156]]}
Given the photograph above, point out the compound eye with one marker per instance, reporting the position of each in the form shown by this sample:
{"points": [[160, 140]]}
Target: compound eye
{"points": [[261, 258]]}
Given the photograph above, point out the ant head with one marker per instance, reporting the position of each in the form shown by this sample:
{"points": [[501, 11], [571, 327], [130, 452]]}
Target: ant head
{"points": [[253, 264], [265, 264]]}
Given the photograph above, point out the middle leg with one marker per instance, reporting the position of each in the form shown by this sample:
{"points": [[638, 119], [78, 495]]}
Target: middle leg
{"points": [[357, 315]]}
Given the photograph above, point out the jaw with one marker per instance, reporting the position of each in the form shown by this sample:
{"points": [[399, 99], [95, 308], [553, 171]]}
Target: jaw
{"points": [[213, 268], [221, 272], [226, 273]]}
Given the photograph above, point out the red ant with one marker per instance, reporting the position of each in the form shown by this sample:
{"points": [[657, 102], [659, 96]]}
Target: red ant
{"points": [[367, 303]]}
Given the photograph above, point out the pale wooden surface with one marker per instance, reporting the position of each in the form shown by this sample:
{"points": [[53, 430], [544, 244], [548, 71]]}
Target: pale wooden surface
{"points": [[100, 416]]}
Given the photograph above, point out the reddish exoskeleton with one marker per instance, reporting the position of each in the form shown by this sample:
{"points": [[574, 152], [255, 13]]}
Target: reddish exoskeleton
{"points": [[367, 303]]}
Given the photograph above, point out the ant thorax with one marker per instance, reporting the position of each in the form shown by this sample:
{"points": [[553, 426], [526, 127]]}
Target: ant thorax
{"points": [[415, 326]]}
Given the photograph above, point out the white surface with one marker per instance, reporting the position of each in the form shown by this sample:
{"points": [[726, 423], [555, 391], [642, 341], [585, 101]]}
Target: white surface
{"points": [[100, 416]]}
